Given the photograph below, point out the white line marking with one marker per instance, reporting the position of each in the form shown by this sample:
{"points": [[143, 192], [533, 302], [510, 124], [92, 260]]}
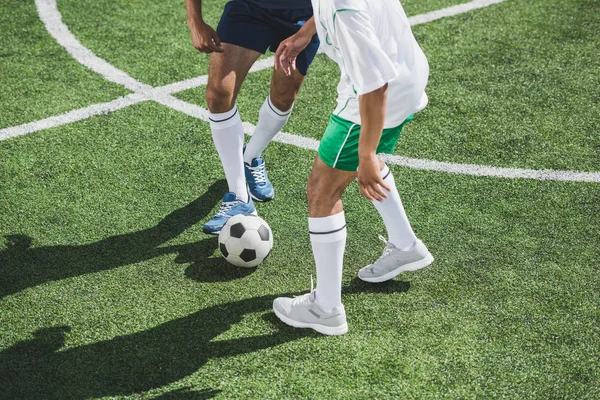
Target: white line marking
{"points": [[71, 116], [451, 11], [52, 19], [498, 172]]}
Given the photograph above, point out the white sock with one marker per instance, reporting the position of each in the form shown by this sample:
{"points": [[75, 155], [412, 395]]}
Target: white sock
{"points": [[400, 234], [228, 136], [328, 240], [270, 122]]}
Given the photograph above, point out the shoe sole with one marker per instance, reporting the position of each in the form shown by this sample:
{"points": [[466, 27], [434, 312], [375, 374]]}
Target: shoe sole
{"points": [[265, 200], [325, 330], [208, 231], [211, 232], [416, 265]]}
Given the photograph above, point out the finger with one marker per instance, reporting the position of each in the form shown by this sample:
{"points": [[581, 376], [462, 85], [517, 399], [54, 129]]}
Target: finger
{"points": [[285, 65], [212, 47], [216, 48], [287, 60], [383, 184], [366, 194], [370, 193], [374, 191], [379, 190], [278, 57], [216, 39]]}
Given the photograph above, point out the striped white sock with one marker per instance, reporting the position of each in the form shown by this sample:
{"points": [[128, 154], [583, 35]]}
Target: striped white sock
{"points": [[328, 240], [399, 231], [228, 136], [270, 122]]}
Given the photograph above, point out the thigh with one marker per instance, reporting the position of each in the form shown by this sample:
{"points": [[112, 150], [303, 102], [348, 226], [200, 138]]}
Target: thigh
{"points": [[227, 70]]}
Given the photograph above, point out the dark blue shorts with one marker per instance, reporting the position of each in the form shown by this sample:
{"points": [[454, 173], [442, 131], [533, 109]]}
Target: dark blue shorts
{"points": [[259, 29]]}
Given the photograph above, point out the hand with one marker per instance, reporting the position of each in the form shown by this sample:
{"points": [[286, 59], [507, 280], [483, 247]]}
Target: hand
{"points": [[288, 50], [205, 39], [369, 179]]}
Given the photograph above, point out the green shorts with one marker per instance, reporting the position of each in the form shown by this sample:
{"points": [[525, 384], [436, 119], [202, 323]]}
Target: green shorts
{"points": [[339, 145]]}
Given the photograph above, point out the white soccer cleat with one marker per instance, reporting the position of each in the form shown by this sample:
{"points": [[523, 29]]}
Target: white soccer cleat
{"points": [[394, 261], [302, 312]]}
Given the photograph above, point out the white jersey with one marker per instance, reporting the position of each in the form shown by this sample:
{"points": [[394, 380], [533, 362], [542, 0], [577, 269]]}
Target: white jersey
{"points": [[373, 44]]}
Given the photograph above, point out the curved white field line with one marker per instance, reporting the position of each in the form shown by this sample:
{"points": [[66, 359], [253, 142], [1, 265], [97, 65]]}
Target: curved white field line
{"points": [[51, 17]]}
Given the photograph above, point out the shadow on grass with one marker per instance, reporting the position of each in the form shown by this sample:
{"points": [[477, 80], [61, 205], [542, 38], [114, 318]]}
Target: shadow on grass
{"points": [[186, 394], [23, 266], [138, 362]]}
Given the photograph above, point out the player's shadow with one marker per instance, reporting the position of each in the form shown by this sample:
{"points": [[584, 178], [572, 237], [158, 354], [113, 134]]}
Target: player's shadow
{"points": [[204, 269], [38, 368], [23, 266]]}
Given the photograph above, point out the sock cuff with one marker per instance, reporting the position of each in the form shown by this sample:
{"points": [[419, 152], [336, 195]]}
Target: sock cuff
{"points": [[327, 229], [273, 111], [386, 172], [224, 120]]}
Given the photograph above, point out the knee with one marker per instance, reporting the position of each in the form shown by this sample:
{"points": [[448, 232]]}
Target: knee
{"points": [[321, 196], [219, 99], [283, 98]]}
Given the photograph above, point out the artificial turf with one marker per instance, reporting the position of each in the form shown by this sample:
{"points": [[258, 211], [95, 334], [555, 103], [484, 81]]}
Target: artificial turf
{"points": [[109, 288]]}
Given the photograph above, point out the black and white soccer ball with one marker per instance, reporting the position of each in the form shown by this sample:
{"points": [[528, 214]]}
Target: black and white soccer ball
{"points": [[245, 240]]}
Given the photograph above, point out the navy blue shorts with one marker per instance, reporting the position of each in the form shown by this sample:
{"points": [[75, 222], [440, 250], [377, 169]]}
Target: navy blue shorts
{"points": [[259, 29]]}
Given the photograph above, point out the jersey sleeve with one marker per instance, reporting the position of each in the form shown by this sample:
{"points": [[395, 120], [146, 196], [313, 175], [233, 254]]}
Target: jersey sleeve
{"points": [[364, 61]]}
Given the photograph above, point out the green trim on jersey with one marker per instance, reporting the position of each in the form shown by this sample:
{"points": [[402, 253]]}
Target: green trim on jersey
{"points": [[348, 100], [327, 40], [339, 145], [340, 10]]}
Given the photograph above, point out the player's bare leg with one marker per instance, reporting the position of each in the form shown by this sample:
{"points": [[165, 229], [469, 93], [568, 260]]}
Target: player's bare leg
{"points": [[273, 115], [227, 71]]}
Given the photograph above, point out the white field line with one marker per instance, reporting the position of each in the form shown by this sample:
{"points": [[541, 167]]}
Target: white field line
{"points": [[71, 116], [450, 11], [51, 17], [498, 172]]}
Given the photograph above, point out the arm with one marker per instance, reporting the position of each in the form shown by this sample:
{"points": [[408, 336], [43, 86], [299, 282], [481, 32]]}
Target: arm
{"points": [[204, 38], [372, 107], [288, 50]]}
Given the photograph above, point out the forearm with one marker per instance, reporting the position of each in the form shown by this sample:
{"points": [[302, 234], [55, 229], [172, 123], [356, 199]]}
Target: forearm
{"points": [[372, 116], [194, 12], [309, 29]]}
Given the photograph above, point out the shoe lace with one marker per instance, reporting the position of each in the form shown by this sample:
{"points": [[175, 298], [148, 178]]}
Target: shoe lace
{"points": [[305, 298], [225, 208], [259, 173], [386, 251]]}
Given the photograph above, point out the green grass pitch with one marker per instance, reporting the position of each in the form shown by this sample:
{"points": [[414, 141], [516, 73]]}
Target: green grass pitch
{"points": [[109, 289]]}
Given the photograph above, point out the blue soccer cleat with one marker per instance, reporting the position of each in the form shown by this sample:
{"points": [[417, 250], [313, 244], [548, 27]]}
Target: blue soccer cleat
{"points": [[259, 185], [231, 206]]}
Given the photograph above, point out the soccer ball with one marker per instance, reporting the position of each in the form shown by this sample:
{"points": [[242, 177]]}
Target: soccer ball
{"points": [[245, 240]]}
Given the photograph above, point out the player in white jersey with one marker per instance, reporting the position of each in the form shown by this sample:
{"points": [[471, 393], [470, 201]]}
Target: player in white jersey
{"points": [[383, 77]]}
